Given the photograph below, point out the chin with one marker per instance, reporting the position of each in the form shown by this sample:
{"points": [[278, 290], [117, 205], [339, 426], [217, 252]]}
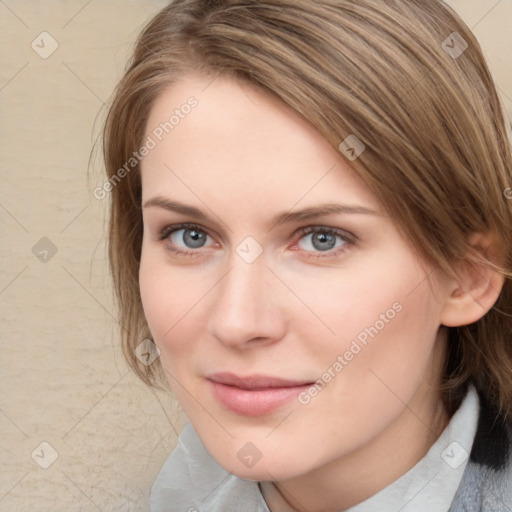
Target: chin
{"points": [[260, 473], [277, 467]]}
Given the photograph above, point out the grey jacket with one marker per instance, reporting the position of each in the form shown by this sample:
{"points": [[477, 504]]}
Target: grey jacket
{"points": [[486, 485]]}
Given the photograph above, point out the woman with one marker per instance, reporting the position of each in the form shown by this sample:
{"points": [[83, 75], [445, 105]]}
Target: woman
{"points": [[310, 221]]}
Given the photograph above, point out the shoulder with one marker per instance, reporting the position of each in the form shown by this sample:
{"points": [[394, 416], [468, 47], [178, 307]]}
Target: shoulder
{"points": [[486, 485], [192, 481]]}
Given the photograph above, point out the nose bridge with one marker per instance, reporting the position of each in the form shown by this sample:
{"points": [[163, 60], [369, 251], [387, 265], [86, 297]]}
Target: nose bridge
{"points": [[243, 304], [241, 284]]}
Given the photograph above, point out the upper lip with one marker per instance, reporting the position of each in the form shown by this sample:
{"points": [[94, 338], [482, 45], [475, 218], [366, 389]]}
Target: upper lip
{"points": [[254, 382]]}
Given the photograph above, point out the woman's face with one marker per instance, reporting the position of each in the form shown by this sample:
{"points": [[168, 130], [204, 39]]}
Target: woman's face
{"points": [[267, 266]]}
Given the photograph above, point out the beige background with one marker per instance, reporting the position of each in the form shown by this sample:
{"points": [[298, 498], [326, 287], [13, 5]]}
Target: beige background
{"points": [[63, 379]]}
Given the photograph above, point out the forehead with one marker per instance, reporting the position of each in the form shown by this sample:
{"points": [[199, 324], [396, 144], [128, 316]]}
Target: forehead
{"points": [[238, 140]]}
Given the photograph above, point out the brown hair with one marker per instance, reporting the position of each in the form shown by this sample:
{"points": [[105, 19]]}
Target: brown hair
{"points": [[391, 72]]}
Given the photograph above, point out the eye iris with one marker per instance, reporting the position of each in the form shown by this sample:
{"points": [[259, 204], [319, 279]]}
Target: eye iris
{"points": [[194, 238], [323, 241]]}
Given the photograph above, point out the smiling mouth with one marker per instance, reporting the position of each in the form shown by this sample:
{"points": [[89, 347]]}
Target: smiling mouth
{"points": [[255, 382], [254, 395]]}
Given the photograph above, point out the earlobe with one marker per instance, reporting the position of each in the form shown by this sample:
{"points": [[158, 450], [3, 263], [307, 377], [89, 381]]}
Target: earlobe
{"points": [[478, 287]]}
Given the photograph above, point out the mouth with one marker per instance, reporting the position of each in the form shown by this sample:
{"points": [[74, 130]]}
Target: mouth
{"points": [[254, 395]]}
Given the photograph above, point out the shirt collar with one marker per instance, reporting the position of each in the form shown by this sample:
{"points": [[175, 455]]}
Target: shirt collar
{"points": [[431, 484]]}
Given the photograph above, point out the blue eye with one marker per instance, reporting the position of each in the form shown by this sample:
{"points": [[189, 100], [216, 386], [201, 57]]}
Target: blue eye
{"points": [[324, 240], [314, 241], [185, 237], [192, 238], [321, 241]]}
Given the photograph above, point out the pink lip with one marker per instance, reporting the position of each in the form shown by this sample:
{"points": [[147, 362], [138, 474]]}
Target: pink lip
{"points": [[254, 395]]}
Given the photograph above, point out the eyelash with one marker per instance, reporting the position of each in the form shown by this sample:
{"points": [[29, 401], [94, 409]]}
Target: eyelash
{"points": [[347, 238]]}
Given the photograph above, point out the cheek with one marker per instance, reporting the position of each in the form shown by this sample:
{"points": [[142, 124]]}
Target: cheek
{"points": [[359, 303], [394, 354], [383, 323], [375, 364], [168, 296]]}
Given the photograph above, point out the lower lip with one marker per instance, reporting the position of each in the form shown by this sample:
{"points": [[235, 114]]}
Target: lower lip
{"points": [[254, 403]]}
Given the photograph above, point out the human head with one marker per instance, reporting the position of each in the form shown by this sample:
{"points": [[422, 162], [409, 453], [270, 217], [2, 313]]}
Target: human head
{"points": [[436, 150]]}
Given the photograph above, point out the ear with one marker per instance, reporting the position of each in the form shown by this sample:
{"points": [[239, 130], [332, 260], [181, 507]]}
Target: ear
{"points": [[477, 288]]}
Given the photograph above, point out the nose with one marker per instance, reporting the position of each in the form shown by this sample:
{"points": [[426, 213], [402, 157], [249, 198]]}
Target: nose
{"points": [[248, 306]]}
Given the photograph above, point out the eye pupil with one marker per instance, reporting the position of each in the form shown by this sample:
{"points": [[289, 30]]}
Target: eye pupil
{"points": [[193, 238], [323, 241]]}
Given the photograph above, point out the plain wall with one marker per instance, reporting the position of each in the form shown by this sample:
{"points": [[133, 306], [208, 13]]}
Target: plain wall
{"points": [[63, 378]]}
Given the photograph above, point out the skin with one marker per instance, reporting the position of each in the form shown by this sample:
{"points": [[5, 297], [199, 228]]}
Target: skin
{"points": [[242, 157]]}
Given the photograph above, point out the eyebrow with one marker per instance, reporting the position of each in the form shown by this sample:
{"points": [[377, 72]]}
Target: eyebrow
{"points": [[279, 219]]}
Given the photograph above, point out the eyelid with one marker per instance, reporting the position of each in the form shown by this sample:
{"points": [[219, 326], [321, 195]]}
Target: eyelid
{"points": [[307, 230], [171, 228]]}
